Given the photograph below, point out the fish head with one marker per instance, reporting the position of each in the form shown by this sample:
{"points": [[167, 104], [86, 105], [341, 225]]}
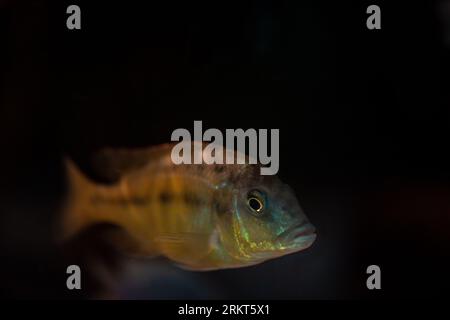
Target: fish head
{"points": [[266, 220]]}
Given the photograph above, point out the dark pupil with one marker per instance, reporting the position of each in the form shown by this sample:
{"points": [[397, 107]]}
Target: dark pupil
{"points": [[254, 204]]}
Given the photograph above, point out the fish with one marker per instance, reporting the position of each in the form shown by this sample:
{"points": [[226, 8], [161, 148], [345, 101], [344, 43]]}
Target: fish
{"points": [[200, 217]]}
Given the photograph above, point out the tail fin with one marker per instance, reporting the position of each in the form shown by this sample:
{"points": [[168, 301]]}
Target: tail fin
{"points": [[77, 211]]}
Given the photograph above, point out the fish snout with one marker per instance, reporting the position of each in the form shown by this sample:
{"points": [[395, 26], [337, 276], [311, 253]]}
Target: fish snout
{"points": [[301, 235]]}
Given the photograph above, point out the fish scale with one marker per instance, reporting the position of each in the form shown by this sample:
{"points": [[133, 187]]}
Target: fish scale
{"points": [[195, 215]]}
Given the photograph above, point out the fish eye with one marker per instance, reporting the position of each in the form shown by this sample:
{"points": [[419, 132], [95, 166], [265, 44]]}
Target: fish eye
{"points": [[256, 202]]}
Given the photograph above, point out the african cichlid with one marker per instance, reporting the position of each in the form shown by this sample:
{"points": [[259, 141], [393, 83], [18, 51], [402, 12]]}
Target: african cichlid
{"points": [[202, 217]]}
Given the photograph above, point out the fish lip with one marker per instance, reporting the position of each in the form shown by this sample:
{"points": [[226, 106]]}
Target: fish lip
{"points": [[304, 230], [296, 238]]}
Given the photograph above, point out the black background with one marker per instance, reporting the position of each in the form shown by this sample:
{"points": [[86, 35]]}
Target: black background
{"points": [[363, 117]]}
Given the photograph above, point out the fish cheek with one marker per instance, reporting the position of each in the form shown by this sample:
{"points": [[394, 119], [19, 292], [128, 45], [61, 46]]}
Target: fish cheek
{"points": [[259, 229]]}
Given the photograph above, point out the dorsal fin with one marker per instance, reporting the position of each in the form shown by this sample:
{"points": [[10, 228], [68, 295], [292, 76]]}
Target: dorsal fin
{"points": [[112, 163]]}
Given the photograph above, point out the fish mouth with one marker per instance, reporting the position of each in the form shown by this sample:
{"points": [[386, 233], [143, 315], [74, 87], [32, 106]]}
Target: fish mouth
{"points": [[302, 235], [293, 239]]}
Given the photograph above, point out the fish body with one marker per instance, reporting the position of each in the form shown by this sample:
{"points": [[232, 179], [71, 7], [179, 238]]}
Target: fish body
{"points": [[202, 217]]}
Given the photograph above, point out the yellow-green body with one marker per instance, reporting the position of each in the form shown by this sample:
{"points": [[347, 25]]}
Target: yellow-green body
{"points": [[187, 213]]}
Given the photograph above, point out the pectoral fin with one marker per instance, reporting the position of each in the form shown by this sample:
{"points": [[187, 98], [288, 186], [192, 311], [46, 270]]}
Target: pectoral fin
{"points": [[184, 248], [183, 239]]}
